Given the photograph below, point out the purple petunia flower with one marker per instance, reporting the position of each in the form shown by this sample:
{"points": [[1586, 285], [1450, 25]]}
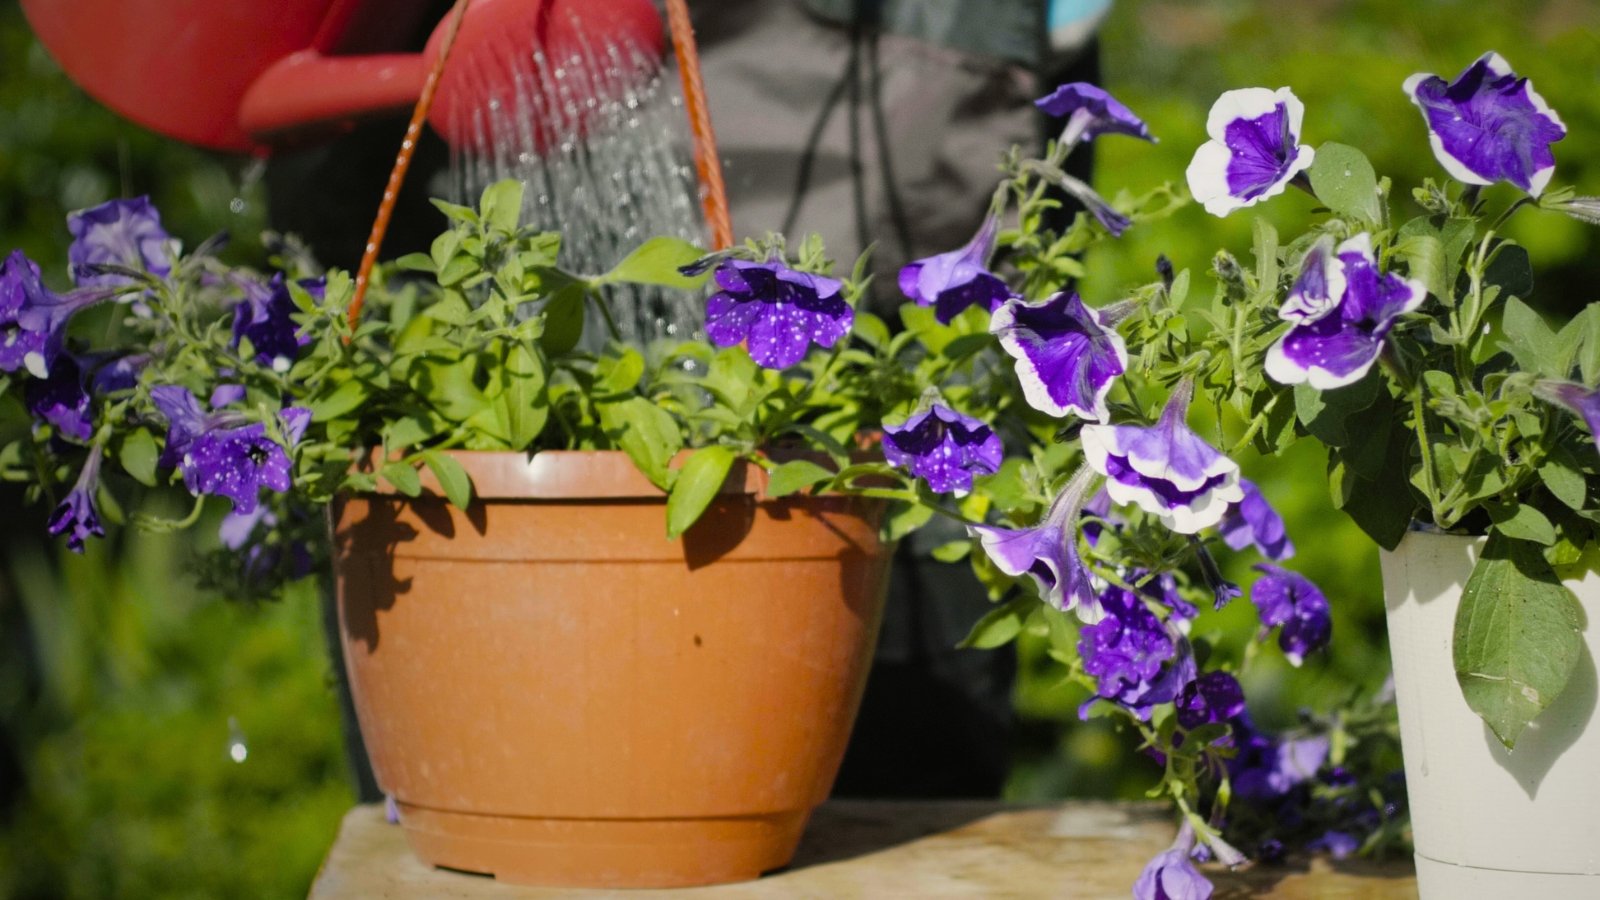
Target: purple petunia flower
{"points": [[1165, 469], [1289, 599], [1068, 355], [1092, 112], [265, 317], [951, 282], [1137, 660], [1047, 552], [1339, 347], [1265, 769], [218, 453], [77, 516], [125, 233], [1339, 844], [776, 310], [1489, 125], [62, 400], [1213, 697], [33, 318], [1253, 521], [1254, 151], [1171, 875], [238, 532], [943, 447], [1578, 399]]}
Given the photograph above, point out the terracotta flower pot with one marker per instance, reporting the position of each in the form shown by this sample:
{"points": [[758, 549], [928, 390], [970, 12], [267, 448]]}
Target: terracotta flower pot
{"points": [[555, 693]]}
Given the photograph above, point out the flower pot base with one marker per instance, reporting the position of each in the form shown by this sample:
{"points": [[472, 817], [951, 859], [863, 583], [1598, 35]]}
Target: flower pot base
{"points": [[604, 853], [1442, 879]]}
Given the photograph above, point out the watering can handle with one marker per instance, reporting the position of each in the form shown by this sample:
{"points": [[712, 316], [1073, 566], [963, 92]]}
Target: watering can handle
{"points": [[309, 89]]}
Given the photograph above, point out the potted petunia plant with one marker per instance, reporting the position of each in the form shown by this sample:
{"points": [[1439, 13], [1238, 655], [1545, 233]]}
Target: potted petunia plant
{"points": [[484, 467]]}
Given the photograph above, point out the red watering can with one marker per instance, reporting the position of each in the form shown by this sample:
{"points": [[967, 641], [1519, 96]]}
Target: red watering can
{"points": [[245, 75]]}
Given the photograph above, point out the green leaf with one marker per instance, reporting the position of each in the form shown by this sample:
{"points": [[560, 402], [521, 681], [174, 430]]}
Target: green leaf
{"points": [[563, 320], [416, 262], [647, 433], [1532, 342], [138, 456], [904, 518], [620, 374], [1561, 476], [1511, 270], [502, 204], [871, 329], [1522, 522], [657, 261], [342, 399], [795, 475], [451, 309], [451, 476], [697, 483], [954, 551], [1001, 625], [455, 212], [1517, 637], [524, 402], [1344, 181], [404, 477], [1326, 414]]}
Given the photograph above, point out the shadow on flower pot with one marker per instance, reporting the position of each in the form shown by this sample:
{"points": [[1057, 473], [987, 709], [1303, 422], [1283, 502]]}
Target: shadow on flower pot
{"points": [[1554, 732], [722, 528], [372, 546]]}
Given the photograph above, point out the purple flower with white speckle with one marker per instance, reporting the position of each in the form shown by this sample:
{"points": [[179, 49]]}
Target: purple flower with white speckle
{"points": [[778, 312], [951, 282], [221, 453], [1068, 355], [77, 516], [62, 400], [1092, 112], [33, 318], [1165, 469], [1265, 769], [1213, 697], [1047, 552], [1578, 399], [125, 233], [1289, 600], [1171, 875], [1252, 520], [1339, 347], [1138, 661], [1254, 151], [943, 447], [265, 318], [1489, 125]]}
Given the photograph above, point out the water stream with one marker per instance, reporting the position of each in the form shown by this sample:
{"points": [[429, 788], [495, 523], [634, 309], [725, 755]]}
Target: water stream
{"points": [[601, 143]]}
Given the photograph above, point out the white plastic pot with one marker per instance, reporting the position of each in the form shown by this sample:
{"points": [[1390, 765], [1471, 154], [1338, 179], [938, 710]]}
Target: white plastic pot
{"points": [[1488, 822]]}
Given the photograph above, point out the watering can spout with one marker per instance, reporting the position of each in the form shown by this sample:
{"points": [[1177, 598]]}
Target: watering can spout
{"points": [[249, 75]]}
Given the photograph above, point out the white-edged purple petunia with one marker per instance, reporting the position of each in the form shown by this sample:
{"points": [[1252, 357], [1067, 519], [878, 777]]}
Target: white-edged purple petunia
{"points": [[1165, 469], [1172, 875], [1254, 151], [1291, 602], [1253, 521], [124, 233], [1489, 125], [1091, 112], [1137, 660], [1048, 552], [1339, 347], [1067, 354], [77, 515], [951, 282], [943, 447], [1317, 289], [778, 312]]}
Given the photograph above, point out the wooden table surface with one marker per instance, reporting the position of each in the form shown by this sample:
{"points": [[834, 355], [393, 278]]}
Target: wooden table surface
{"points": [[870, 849]]}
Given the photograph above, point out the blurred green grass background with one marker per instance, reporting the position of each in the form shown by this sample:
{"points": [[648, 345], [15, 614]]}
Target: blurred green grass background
{"points": [[123, 690]]}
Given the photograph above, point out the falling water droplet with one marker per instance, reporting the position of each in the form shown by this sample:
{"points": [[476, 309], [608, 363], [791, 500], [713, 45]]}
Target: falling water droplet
{"points": [[238, 750]]}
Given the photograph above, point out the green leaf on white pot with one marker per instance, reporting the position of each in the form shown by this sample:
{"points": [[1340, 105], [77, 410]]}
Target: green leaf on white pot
{"points": [[794, 475], [1523, 522], [452, 477], [1001, 625], [698, 482], [657, 261], [1517, 637]]}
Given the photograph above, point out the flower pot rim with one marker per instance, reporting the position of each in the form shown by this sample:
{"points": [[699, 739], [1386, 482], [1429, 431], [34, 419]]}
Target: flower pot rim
{"points": [[567, 475]]}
